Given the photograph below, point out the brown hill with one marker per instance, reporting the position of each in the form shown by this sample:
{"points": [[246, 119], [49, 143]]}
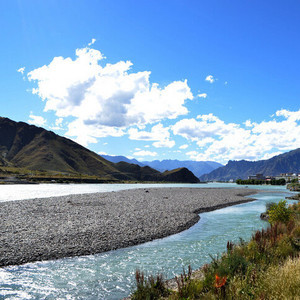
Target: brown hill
{"points": [[180, 175], [34, 148]]}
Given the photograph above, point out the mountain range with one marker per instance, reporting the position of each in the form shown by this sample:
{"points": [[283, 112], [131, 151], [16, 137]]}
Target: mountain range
{"points": [[34, 148], [288, 162], [197, 167]]}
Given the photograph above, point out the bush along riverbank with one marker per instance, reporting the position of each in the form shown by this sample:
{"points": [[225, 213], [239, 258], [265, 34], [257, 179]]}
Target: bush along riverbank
{"points": [[295, 186], [266, 267], [274, 181]]}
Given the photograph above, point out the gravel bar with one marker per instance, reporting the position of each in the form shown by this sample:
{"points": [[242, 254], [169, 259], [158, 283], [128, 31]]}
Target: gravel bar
{"points": [[57, 227]]}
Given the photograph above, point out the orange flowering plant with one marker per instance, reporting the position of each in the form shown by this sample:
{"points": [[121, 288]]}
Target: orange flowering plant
{"points": [[220, 281]]}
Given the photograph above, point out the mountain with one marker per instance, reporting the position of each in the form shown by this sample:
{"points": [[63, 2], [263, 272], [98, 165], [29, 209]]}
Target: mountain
{"points": [[118, 158], [196, 167], [147, 174], [284, 163], [34, 148], [180, 175]]}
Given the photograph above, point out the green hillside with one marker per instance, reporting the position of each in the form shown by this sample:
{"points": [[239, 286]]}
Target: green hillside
{"points": [[34, 148]]}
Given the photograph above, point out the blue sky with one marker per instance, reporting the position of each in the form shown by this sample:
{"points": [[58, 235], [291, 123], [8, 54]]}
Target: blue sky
{"points": [[200, 80]]}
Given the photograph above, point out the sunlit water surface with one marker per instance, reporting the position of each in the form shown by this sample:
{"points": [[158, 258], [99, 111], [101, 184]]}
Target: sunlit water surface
{"points": [[110, 275]]}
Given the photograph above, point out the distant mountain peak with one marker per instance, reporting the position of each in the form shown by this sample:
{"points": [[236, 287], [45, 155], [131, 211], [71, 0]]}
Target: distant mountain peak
{"points": [[288, 162]]}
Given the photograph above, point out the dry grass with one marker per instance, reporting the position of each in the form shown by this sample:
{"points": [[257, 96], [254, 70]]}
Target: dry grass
{"points": [[282, 282]]}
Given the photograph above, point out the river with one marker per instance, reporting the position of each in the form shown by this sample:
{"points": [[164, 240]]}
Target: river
{"points": [[110, 275]]}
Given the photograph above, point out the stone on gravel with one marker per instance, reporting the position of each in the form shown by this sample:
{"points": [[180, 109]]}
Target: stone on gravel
{"points": [[57, 227]]}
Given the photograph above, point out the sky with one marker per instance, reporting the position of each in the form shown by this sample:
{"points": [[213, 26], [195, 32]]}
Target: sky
{"points": [[149, 79]]}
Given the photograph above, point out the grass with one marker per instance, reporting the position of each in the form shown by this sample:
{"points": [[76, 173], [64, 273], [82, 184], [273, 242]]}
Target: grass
{"points": [[149, 289], [266, 267]]}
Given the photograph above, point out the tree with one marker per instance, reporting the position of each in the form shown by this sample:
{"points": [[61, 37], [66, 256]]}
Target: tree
{"points": [[279, 213]]}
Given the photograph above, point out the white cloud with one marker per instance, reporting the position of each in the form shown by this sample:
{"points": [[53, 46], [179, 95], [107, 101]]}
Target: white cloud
{"points": [[248, 123], [37, 120], [202, 95], [229, 141], [271, 154], [145, 153], [192, 153], [92, 42], [21, 70], [164, 143], [102, 153], [105, 99], [208, 126], [184, 146], [203, 142], [88, 134], [147, 146], [58, 124], [158, 133], [210, 78], [291, 115]]}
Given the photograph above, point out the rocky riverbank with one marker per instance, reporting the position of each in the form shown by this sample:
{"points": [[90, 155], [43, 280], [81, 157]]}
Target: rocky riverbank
{"points": [[57, 227]]}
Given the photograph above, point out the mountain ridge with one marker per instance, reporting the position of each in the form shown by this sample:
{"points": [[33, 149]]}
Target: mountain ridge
{"points": [[288, 162], [28, 146], [198, 168]]}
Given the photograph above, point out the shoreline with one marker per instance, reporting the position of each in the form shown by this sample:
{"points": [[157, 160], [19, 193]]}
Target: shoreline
{"points": [[75, 225]]}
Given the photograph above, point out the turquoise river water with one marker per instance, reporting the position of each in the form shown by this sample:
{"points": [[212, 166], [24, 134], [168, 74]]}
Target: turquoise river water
{"points": [[110, 275]]}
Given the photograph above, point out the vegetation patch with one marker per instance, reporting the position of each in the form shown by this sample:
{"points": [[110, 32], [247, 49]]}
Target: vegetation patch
{"points": [[266, 267], [273, 181]]}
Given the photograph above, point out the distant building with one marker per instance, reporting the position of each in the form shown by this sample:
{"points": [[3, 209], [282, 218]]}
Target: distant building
{"points": [[289, 176], [257, 177]]}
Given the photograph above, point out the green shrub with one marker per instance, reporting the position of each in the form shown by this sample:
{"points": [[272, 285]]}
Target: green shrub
{"points": [[269, 205], [279, 213], [284, 248], [151, 288]]}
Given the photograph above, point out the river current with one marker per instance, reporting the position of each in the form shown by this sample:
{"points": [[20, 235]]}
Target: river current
{"points": [[110, 275]]}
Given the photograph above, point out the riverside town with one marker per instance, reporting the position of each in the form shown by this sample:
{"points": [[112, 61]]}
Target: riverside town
{"points": [[288, 177]]}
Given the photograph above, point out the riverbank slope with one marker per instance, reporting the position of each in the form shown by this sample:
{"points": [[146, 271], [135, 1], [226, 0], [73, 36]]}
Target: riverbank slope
{"points": [[57, 227]]}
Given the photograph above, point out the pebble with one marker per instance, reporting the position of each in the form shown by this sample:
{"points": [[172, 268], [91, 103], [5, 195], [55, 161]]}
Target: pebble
{"points": [[57, 227]]}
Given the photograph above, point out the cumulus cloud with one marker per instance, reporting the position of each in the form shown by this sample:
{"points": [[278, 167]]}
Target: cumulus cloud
{"points": [[36, 120], [203, 142], [164, 143], [210, 78], [229, 141], [202, 95], [291, 115], [145, 153], [105, 99], [158, 133], [209, 125], [85, 134], [184, 146]]}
